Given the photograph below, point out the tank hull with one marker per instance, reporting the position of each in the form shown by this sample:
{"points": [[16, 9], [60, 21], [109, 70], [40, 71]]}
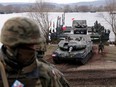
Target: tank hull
{"points": [[79, 51]]}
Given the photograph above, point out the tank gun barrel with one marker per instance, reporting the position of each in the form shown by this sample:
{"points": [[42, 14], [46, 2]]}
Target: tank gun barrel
{"points": [[70, 49]]}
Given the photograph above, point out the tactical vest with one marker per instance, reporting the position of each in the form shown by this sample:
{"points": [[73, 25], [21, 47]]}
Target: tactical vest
{"points": [[31, 79], [43, 75], [30, 82]]}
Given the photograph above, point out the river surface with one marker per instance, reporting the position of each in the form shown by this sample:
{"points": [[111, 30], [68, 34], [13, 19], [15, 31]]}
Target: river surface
{"points": [[89, 17]]}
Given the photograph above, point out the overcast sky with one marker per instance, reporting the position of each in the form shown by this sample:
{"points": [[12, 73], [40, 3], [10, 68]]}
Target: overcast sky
{"points": [[56, 1]]}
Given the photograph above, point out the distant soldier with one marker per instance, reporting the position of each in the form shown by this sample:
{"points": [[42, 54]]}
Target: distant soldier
{"points": [[100, 47]]}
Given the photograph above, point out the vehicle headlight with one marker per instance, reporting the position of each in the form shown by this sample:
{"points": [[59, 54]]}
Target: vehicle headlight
{"points": [[54, 54]]}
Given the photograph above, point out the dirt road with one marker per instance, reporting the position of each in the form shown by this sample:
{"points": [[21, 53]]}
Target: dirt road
{"points": [[100, 71]]}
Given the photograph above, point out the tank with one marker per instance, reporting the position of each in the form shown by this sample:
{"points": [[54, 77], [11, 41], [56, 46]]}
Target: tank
{"points": [[75, 48]]}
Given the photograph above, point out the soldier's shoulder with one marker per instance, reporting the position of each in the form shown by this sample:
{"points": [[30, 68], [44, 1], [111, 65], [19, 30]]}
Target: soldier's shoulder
{"points": [[43, 64], [45, 67], [49, 71]]}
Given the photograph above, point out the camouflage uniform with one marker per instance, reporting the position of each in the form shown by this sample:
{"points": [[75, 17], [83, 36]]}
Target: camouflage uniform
{"points": [[100, 47], [41, 48], [16, 35]]}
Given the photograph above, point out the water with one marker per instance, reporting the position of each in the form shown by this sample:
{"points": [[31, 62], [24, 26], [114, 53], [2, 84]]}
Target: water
{"points": [[90, 17]]}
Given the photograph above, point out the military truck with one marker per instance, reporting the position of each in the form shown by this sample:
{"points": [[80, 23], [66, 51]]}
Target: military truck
{"points": [[75, 47], [79, 26]]}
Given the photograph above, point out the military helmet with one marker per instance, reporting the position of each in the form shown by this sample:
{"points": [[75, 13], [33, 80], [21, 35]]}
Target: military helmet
{"points": [[20, 30], [42, 45]]}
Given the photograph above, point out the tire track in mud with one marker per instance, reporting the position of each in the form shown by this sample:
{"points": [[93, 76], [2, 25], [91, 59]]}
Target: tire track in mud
{"points": [[88, 78]]}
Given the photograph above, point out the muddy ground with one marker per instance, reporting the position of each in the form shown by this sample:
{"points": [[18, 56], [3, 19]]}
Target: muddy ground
{"points": [[99, 71]]}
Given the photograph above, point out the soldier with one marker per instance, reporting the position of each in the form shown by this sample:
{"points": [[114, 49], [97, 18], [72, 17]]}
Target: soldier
{"points": [[100, 47], [20, 36]]}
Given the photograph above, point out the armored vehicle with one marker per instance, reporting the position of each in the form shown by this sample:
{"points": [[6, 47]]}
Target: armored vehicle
{"points": [[79, 26], [73, 47], [99, 33], [67, 31]]}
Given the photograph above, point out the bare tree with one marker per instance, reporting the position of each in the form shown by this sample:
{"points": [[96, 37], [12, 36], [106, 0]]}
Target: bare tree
{"points": [[111, 9], [83, 8], [39, 13], [67, 8], [76, 8]]}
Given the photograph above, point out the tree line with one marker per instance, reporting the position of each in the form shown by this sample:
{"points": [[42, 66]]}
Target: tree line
{"points": [[40, 9], [52, 7]]}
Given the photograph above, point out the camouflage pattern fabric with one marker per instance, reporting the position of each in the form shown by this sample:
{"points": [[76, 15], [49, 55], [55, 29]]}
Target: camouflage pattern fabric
{"points": [[54, 76], [41, 46], [20, 31], [38, 73], [49, 76]]}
